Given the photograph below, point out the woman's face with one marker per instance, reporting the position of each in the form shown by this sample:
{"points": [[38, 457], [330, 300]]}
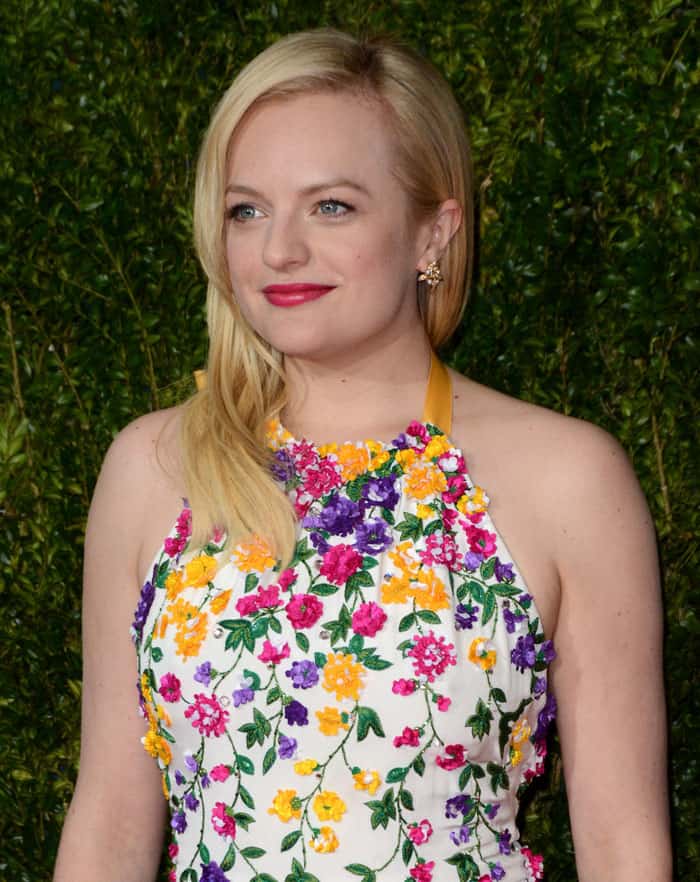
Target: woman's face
{"points": [[311, 201]]}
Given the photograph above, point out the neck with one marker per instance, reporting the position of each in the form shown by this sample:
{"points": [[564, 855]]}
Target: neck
{"points": [[371, 392]]}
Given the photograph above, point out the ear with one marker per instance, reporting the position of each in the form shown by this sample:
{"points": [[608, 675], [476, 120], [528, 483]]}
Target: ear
{"points": [[438, 232]]}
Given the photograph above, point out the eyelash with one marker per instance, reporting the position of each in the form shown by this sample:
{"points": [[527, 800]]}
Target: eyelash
{"points": [[231, 213]]}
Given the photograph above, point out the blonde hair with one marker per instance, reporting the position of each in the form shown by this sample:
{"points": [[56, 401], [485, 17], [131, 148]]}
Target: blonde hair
{"points": [[226, 462]]}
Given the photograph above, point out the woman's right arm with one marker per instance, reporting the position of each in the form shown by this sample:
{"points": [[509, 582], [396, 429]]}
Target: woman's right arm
{"points": [[115, 826]]}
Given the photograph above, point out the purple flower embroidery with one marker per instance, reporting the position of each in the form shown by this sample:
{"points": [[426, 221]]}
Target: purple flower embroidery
{"points": [[380, 491], [458, 805], [373, 536], [545, 717], [319, 543], [472, 560], [205, 780], [286, 747], [461, 836], [143, 607], [504, 844], [511, 619], [179, 778], [303, 674], [203, 673], [504, 572], [492, 809], [212, 872], [539, 687], [339, 517], [283, 467], [179, 822], [296, 714], [523, 656], [547, 652], [191, 762], [191, 802], [465, 616], [242, 696], [497, 872]]}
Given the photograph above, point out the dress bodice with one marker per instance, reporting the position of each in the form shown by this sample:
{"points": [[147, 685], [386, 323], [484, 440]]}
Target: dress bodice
{"points": [[370, 712]]}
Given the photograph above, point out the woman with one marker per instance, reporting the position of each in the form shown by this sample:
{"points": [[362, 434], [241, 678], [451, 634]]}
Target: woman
{"points": [[344, 672]]}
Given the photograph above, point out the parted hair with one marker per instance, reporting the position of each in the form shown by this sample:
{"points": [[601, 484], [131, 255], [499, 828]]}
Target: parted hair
{"points": [[226, 462]]}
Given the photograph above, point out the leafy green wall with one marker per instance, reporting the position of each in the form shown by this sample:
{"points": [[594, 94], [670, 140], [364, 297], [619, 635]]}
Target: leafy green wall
{"points": [[584, 120]]}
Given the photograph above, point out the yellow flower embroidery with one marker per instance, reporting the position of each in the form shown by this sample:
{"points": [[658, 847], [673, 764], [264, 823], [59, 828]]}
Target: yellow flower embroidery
{"points": [[286, 805], [146, 689], [432, 595], [157, 746], [329, 449], [305, 767], [219, 604], [190, 636], [521, 732], [481, 653], [401, 557], [174, 584], [164, 784], [353, 461], [162, 626], [425, 479], [163, 714], [379, 460], [475, 501], [406, 458], [201, 570], [329, 806], [325, 840], [181, 612], [424, 511], [343, 676], [396, 589], [367, 780], [254, 555], [330, 720], [436, 446]]}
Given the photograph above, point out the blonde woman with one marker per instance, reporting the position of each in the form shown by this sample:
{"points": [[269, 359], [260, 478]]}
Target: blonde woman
{"points": [[344, 672]]}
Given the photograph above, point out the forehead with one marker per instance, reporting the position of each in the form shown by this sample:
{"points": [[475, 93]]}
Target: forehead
{"points": [[317, 135]]}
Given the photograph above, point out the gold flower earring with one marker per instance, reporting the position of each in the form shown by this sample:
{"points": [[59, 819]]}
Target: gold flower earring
{"points": [[432, 274]]}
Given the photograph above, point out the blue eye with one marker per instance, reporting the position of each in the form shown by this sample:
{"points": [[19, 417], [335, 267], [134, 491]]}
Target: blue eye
{"points": [[337, 208], [241, 212]]}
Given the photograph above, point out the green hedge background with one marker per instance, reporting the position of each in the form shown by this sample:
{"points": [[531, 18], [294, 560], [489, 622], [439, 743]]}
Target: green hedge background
{"points": [[584, 121]]}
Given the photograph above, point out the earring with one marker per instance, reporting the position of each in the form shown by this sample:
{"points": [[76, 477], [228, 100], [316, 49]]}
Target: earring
{"points": [[432, 274]]}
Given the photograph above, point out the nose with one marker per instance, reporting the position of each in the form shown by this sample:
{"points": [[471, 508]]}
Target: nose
{"points": [[285, 244]]}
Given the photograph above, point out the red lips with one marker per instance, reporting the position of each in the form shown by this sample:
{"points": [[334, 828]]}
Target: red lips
{"points": [[295, 293]]}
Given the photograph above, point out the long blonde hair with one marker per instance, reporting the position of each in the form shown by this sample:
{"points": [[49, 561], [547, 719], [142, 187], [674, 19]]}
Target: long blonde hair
{"points": [[226, 462]]}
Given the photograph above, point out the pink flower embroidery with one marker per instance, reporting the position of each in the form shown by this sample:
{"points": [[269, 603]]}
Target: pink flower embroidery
{"points": [[222, 822], [443, 702], [304, 610], [481, 541], [423, 872], [170, 687], [220, 773], [409, 737], [287, 579], [454, 757], [320, 480], [207, 715], [418, 430], [368, 618], [403, 687], [431, 655], [440, 548], [269, 597], [420, 832], [247, 605], [183, 525], [304, 454], [272, 653], [535, 865], [339, 563], [173, 545], [456, 487]]}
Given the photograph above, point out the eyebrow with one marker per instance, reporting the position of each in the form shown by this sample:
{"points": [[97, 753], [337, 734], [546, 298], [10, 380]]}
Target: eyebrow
{"points": [[233, 187]]}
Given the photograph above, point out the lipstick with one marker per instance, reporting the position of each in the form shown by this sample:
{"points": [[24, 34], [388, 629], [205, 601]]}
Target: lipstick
{"points": [[295, 294]]}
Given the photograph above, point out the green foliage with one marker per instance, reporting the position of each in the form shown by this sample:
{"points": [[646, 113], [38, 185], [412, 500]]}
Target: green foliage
{"points": [[583, 116]]}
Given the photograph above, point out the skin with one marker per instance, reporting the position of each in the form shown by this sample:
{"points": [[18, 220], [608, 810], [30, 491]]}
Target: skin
{"points": [[563, 494]]}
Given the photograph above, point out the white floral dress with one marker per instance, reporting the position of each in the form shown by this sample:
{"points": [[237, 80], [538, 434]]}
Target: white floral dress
{"points": [[372, 712]]}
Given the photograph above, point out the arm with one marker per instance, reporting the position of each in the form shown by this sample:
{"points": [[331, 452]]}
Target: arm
{"points": [[114, 828], [608, 674]]}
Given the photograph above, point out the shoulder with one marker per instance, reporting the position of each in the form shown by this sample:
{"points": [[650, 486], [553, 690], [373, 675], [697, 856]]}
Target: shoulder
{"points": [[139, 490]]}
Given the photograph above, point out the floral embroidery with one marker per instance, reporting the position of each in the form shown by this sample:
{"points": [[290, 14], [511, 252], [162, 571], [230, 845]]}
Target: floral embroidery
{"points": [[399, 656]]}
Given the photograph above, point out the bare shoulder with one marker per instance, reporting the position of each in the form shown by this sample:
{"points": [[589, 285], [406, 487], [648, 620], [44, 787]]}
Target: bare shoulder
{"points": [[560, 452], [140, 488]]}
